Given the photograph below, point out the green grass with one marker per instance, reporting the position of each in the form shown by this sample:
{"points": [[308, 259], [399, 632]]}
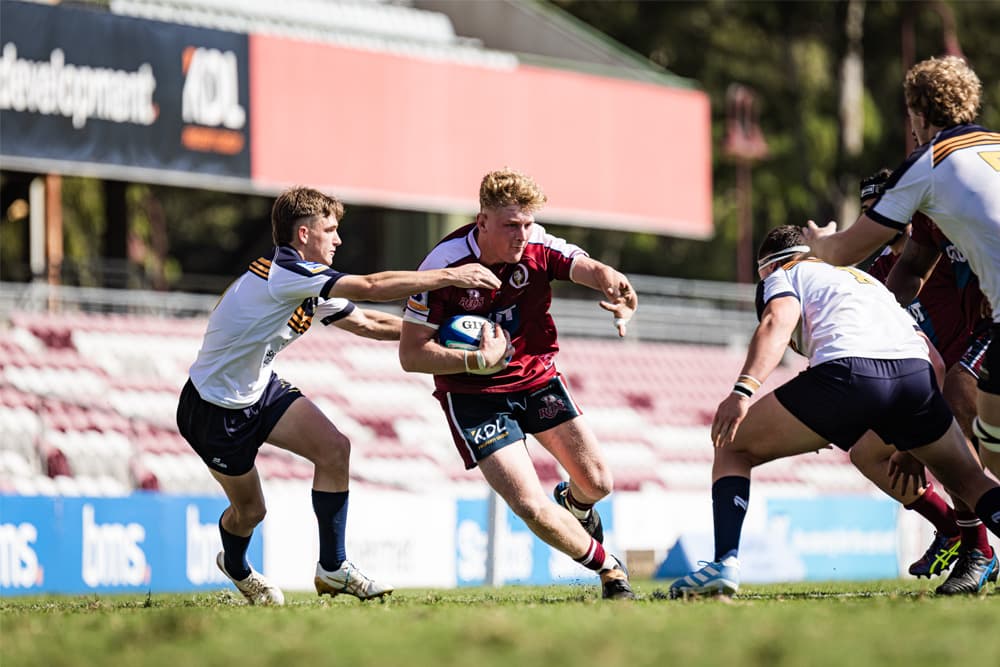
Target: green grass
{"points": [[886, 623]]}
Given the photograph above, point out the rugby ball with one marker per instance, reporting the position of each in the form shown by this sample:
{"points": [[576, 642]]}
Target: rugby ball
{"points": [[462, 332]]}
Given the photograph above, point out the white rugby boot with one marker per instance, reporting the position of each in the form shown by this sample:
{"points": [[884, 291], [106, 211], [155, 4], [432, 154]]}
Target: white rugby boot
{"points": [[350, 580], [255, 588]]}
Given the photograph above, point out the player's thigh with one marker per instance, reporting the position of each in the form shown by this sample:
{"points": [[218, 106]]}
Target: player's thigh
{"points": [[575, 447], [770, 431], [988, 398], [870, 453], [959, 392], [511, 473], [306, 431], [953, 463]]}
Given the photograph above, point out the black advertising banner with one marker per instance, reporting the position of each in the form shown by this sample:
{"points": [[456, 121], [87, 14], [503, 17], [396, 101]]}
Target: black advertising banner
{"points": [[82, 85]]}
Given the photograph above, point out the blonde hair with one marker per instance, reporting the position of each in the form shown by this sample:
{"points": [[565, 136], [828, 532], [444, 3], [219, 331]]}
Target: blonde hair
{"points": [[507, 187], [945, 90], [296, 203]]}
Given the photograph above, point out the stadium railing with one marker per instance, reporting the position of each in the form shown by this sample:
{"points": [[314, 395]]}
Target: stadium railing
{"points": [[670, 309]]}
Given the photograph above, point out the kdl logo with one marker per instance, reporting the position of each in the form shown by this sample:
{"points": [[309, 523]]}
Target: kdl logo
{"points": [[210, 103]]}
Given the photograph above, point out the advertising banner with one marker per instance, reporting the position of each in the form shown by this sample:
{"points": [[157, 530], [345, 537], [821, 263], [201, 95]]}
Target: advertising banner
{"points": [[820, 538], [405, 132], [522, 558], [140, 543], [82, 85]]}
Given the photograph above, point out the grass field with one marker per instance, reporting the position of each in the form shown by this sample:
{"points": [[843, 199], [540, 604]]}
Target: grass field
{"points": [[885, 623]]}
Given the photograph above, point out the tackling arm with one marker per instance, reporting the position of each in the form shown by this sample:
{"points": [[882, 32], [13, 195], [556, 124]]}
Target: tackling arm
{"points": [[392, 285], [620, 297], [850, 246], [371, 324]]}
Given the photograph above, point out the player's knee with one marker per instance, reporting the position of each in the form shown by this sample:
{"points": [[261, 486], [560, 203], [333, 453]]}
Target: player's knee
{"points": [[334, 455], [248, 516], [987, 434], [530, 511], [597, 486]]}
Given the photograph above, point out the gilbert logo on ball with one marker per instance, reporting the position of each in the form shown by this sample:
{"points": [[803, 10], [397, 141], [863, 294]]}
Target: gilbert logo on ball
{"points": [[462, 332]]}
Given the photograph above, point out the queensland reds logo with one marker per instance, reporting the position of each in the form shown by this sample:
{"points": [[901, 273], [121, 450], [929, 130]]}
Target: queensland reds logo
{"points": [[553, 406], [472, 300], [519, 278]]}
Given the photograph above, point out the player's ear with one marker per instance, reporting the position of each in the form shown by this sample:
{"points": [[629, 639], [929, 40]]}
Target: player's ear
{"points": [[480, 220], [302, 232]]}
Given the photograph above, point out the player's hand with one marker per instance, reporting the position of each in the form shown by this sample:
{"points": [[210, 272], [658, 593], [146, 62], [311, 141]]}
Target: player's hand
{"points": [[905, 469], [812, 231], [472, 276], [494, 344], [622, 301], [728, 417]]}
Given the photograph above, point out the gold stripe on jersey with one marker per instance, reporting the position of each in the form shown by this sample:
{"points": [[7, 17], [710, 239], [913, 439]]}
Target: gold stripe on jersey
{"points": [[946, 148], [260, 267], [300, 321]]}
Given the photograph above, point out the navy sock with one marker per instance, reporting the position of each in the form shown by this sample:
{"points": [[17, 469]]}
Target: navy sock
{"points": [[988, 509], [730, 496], [234, 548], [331, 514]]}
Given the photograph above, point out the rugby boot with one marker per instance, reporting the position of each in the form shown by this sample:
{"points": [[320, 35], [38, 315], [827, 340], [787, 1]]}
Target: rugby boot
{"points": [[939, 556], [971, 573], [614, 583], [348, 579], [255, 588], [591, 523], [721, 577]]}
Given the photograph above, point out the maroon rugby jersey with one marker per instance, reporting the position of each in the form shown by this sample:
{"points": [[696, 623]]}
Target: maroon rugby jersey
{"points": [[927, 233], [939, 309], [520, 306]]}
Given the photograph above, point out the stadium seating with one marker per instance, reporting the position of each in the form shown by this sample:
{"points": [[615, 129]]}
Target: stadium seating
{"points": [[87, 407]]}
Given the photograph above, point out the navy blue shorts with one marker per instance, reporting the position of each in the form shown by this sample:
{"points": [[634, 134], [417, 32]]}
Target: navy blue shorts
{"points": [[841, 399], [989, 371], [483, 423], [227, 439]]}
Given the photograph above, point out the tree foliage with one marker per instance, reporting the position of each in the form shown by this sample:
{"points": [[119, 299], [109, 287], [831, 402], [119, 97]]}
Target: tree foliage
{"points": [[790, 54]]}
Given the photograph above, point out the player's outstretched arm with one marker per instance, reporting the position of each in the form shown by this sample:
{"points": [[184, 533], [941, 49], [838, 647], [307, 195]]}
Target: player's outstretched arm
{"points": [[371, 324], [620, 298], [911, 271], [392, 285], [849, 246], [767, 347]]}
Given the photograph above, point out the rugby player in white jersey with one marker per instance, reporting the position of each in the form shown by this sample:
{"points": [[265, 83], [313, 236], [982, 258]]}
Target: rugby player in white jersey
{"points": [[233, 401], [868, 370], [953, 177]]}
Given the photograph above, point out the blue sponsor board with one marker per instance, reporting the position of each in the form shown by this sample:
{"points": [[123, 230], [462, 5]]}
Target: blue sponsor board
{"points": [[819, 539], [522, 558], [840, 537], [143, 542]]}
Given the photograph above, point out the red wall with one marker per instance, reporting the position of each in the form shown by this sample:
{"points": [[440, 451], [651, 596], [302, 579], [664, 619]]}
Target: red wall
{"points": [[411, 133]]}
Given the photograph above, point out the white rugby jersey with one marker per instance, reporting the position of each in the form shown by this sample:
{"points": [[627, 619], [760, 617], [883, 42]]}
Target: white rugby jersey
{"points": [[264, 310], [845, 313], [955, 180]]}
